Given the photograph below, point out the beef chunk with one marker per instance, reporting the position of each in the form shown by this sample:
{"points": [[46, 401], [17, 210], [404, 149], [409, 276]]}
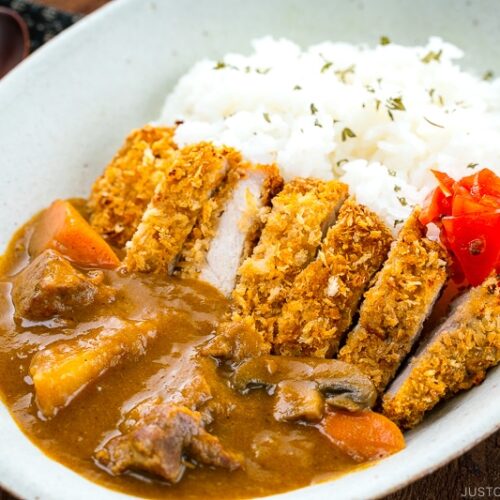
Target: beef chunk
{"points": [[161, 439], [50, 286]]}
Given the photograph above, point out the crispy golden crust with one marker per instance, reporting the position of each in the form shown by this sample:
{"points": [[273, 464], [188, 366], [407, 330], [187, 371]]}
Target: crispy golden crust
{"points": [[193, 256], [172, 212], [121, 194], [456, 359], [326, 294], [292, 233], [197, 244], [394, 309], [272, 186]]}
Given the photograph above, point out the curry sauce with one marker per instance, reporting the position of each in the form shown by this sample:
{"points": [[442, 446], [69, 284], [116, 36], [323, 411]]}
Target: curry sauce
{"points": [[279, 456]]}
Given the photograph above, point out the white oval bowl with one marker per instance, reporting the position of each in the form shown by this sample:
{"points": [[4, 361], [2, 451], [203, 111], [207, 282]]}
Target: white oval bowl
{"points": [[66, 109]]}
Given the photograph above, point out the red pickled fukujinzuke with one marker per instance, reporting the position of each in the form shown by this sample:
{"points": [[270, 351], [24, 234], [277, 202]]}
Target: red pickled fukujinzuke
{"points": [[468, 215]]}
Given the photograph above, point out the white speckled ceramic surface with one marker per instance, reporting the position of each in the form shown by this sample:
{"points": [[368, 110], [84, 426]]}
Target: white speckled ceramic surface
{"points": [[65, 110]]}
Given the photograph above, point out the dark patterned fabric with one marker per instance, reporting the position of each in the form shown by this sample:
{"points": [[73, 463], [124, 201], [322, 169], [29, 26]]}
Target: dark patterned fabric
{"points": [[43, 22]]}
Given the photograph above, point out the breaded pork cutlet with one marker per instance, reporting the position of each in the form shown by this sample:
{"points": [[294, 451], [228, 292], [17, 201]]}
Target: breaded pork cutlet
{"points": [[326, 294], [195, 174], [395, 308], [121, 194], [228, 226], [455, 357], [293, 230]]}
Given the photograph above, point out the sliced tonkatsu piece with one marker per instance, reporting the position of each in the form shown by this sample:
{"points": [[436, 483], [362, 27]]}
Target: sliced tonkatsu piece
{"points": [[195, 174], [395, 308], [455, 357], [294, 228], [228, 226], [121, 194], [326, 294]]}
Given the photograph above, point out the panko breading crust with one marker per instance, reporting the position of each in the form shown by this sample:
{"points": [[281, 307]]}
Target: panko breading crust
{"points": [[394, 309], [465, 346], [198, 242], [121, 194], [195, 174], [193, 256], [326, 294], [290, 238]]}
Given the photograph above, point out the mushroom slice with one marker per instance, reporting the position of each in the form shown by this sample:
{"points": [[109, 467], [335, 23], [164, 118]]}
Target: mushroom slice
{"points": [[298, 400], [339, 384]]}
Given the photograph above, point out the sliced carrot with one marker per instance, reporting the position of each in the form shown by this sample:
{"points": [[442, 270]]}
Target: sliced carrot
{"points": [[363, 435], [62, 228]]}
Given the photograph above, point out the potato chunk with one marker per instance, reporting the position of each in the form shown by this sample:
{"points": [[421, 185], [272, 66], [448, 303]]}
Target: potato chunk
{"points": [[65, 368]]}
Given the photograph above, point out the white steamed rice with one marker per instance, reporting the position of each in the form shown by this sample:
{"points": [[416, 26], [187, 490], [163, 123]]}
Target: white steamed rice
{"points": [[377, 118]]}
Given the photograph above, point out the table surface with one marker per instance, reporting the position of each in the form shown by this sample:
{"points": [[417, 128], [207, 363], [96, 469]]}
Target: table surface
{"points": [[463, 477]]}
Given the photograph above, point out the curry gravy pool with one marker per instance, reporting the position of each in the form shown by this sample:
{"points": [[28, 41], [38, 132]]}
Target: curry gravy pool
{"points": [[280, 456]]}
